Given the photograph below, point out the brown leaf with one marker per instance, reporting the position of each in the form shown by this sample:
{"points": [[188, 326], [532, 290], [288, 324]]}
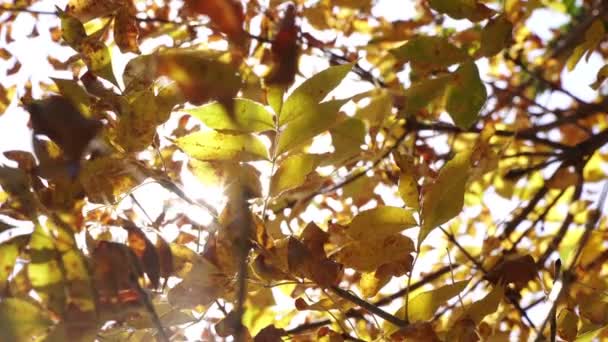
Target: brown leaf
{"points": [[115, 270], [165, 257], [226, 15], [463, 331], [269, 334], [145, 252], [314, 239], [285, 50], [518, 269], [416, 332], [126, 30], [57, 118]]}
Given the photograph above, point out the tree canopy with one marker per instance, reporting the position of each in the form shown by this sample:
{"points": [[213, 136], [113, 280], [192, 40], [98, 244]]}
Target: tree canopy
{"points": [[367, 170]]}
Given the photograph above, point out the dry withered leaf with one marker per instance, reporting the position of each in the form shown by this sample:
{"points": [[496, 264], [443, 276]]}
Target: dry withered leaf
{"points": [[285, 50]]}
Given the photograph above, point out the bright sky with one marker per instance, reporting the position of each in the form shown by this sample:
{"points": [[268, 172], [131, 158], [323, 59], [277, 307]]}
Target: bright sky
{"points": [[31, 52]]}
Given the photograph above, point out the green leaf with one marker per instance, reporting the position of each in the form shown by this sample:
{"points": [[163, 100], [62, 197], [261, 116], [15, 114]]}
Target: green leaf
{"points": [[495, 36], [465, 95], [423, 306], [485, 306], [220, 146], [312, 121], [380, 222], [22, 320], [292, 172], [430, 53], [421, 94], [602, 74], [312, 92], [249, 116], [274, 96], [444, 197], [368, 255], [462, 9]]}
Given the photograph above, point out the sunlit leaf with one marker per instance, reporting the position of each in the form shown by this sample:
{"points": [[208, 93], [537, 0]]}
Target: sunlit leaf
{"points": [[485, 306], [368, 255], [347, 138], [285, 50], [9, 251], [137, 124], [220, 146], [423, 306], [379, 107], [380, 222], [44, 271], [75, 94], [248, 116], [311, 122], [465, 95], [106, 179], [200, 75], [430, 53], [408, 184], [145, 251], [22, 320], [292, 172], [443, 198], [86, 10], [6, 97], [304, 98], [96, 56]]}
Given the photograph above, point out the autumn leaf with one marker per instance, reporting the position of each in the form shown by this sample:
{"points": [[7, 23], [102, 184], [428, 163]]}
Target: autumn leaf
{"points": [[430, 53], [22, 319], [443, 199], [248, 116], [380, 222], [226, 15], [465, 95], [461, 9], [220, 146], [292, 172], [368, 255]]}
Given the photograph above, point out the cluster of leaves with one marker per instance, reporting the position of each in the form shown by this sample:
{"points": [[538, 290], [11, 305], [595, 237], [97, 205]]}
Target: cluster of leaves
{"points": [[331, 201]]}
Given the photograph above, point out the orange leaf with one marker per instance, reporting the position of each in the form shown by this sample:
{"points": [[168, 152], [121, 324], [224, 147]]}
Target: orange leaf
{"points": [[226, 15]]}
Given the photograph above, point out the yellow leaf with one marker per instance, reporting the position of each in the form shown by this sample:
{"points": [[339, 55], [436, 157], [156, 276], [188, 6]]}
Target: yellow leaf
{"points": [[408, 185], [567, 324], [379, 107], [220, 146], [422, 93], [430, 53], [593, 37], [107, 178], [368, 255], [602, 74], [22, 320], [248, 116], [86, 10], [485, 306], [380, 222], [423, 306], [347, 138], [462, 9], [443, 198], [310, 122], [292, 172], [304, 99]]}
